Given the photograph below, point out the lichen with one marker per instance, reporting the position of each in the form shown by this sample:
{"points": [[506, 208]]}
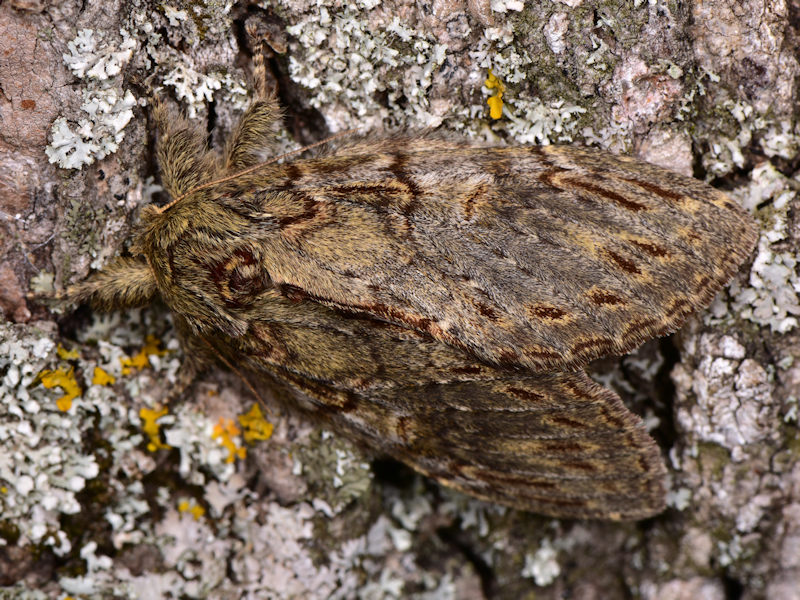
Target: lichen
{"points": [[495, 101], [227, 434], [542, 565], [338, 474], [255, 426], [65, 379], [197, 89], [194, 506], [730, 395], [98, 61], [102, 377], [152, 428], [771, 296], [42, 464], [379, 67], [141, 359], [204, 513]]}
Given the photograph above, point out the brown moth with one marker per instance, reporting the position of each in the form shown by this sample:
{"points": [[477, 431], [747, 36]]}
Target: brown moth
{"points": [[436, 300]]}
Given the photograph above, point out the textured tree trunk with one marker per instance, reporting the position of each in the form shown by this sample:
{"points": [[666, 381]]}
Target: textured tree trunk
{"points": [[98, 499]]}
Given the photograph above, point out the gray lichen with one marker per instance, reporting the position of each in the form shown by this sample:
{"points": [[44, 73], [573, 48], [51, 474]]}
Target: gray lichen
{"points": [[107, 106]]}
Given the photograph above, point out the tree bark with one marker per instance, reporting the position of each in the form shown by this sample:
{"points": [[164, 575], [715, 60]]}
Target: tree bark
{"points": [[707, 89]]}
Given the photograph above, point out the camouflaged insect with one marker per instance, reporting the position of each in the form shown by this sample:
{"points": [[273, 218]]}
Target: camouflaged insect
{"points": [[436, 300]]}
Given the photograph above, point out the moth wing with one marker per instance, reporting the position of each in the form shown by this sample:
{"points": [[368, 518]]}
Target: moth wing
{"points": [[546, 257], [556, 444]]}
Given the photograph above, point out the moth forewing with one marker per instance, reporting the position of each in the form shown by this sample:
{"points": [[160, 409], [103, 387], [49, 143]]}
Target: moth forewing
{"points": [[435, 300], [539, 257]]}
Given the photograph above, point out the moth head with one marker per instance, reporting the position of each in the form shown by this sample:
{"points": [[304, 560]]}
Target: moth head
{"points": [[144, 234], [160, 226], [177, 257]]}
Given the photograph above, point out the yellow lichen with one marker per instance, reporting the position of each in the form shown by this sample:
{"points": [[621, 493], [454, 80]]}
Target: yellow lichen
{"points": [[151, 428], [100, 377], [255, 426], [495, 101], [192, 508], [140, 360], [66, 381], [65, 354], [224, 432]]}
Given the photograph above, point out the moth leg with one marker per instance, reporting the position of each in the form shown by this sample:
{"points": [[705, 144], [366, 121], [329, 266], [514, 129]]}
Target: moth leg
{"points": [[182, 153], [259, 124], [262, 44], [123, 283]]}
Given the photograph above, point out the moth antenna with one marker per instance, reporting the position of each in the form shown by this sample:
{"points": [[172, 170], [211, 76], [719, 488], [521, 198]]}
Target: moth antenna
{"points": [[244, 172]]}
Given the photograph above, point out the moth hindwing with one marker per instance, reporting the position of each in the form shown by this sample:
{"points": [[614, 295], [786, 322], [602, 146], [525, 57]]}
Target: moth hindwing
{"points": [[436, 300]]}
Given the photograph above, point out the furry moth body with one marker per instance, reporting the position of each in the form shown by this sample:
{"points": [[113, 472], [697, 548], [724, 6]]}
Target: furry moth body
{"points": [[436, 300]]}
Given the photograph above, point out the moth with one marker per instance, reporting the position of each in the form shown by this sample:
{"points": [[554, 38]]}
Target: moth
{"points": [[434, 299]]}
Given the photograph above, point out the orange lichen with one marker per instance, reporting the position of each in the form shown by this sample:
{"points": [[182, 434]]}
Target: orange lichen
{"points": [[65, 354], [255, 426], [192, 508], [140, 360], [100, 377], [152, 429], [224, 432], [66, 381], [495, 101]]}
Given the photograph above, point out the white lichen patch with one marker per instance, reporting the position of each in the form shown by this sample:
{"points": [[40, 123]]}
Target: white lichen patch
{"points": [[730, 422], [198, 77], [534, 122], [191, 432], [502, 6], [87, 584], [771, 297], [726, 152], [680, 498], [281, 534], [350, 57], [41, 465], [98, 61], [496, 51], [197, 89], [707, 588], [174, 15], [732, 406], [526, 120], [542, 566], [89, 58], [44, 461]]}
